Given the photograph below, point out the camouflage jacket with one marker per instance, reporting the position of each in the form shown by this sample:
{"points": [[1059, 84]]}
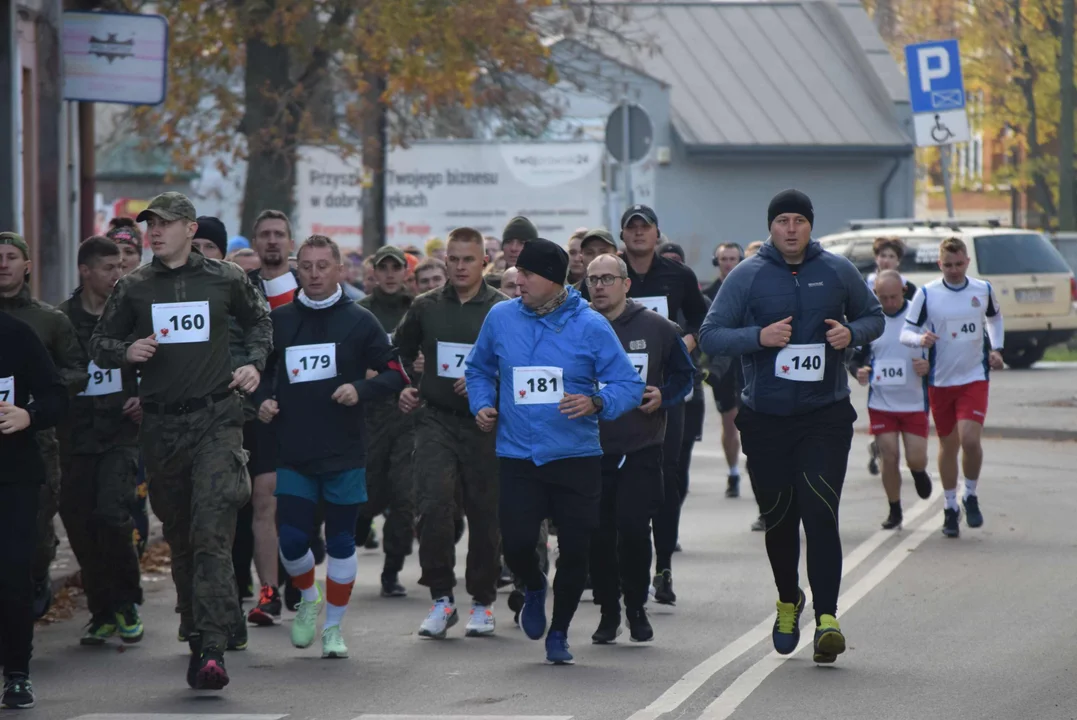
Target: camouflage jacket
{"points": [[57, 334], [192, 369], [96, 423]]}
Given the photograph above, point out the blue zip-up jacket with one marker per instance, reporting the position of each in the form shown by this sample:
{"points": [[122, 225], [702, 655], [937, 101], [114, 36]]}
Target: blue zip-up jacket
{"points": [[574, 338], [763, 290]]}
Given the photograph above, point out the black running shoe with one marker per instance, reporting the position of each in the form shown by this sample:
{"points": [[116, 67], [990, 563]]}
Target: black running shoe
{"points": [[893, 521], [238, 636], [732, 488], [609, 627], [391, 587], [211, 673], [950, 522], [292, 596], [18, 692], [973, 516], [663, 589], [639, 627], [923, 484], [267, 612]]}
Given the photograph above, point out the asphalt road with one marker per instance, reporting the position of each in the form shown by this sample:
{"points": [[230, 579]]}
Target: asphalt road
{"points": [[974, 628]]}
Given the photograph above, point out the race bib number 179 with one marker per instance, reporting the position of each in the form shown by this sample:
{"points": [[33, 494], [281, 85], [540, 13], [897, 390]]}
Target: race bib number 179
{"points": [[307, 363]]}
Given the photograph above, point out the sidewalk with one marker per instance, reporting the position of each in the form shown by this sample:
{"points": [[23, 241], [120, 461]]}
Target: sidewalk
{"points": [[1035, 404]]}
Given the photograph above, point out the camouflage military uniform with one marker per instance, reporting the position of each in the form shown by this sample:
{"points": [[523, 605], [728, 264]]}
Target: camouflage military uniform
{"points": [[99, 452], [58, 335], [452, 453], [192, 427], [390, 444]]}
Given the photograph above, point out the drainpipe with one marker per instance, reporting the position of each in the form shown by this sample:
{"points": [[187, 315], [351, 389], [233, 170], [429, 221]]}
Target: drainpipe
{"points": [[886, 184]]}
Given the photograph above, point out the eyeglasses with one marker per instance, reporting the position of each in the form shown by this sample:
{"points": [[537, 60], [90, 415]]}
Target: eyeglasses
{"points": [[607, 280]]}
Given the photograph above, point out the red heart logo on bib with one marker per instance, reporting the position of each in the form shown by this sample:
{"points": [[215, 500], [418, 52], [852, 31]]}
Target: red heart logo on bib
{"points": [[878, 377], [522, 393], [164, 332], [444, 366], [785, 368], [295, 371], [954, 334]]}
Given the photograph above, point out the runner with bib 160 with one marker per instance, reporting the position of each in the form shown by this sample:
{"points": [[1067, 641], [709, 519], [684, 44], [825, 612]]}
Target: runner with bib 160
{"points": [[789, 312]]}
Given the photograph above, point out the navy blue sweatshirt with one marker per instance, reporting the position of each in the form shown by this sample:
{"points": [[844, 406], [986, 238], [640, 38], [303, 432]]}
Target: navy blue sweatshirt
{"points": [[316, 434], [652, 343], [26, 368]]}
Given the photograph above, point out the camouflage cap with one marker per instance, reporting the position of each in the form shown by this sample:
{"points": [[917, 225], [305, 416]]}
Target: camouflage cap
{"points": [[599, 234], [390, 251], [169, 206], [14, 239]]}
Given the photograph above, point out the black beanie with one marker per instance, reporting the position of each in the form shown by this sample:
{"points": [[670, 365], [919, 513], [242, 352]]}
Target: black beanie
{"points": [[212, 229], [545, 259], [519, 228], [790, 201]]}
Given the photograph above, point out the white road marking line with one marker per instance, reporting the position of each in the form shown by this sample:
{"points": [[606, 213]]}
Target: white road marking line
{"points": [[464, 717], [176, 716], [694, 679], [739, 690]]}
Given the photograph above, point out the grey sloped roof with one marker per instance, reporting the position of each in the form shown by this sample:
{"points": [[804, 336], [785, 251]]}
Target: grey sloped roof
{"points": [[770, 74]]}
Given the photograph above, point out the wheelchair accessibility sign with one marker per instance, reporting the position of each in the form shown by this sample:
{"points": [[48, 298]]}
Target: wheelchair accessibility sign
{"points": [[937, 93]]}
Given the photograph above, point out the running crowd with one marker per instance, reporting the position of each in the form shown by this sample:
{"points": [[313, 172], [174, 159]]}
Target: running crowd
{"points": [[272, 416]]}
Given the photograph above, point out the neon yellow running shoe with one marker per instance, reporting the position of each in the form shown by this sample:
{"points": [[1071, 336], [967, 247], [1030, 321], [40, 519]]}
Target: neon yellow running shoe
{"points": [[305, 625], [829, 642], [333, 643]]}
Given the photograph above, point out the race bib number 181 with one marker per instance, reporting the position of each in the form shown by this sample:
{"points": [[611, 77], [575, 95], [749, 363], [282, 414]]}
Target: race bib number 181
{"points": [[307, 363], [181, 322], [7, 390], [538, 385]]}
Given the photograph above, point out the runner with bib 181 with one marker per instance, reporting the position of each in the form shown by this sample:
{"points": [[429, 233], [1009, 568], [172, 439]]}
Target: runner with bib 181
{"points": [[790, 312]]}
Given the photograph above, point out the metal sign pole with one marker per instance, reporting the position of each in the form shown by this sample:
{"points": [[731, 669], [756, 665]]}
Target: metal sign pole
{"points": [[944, 157], [626, 153]]}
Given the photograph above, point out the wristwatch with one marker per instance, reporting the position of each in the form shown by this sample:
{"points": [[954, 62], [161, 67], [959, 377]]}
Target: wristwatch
{"points": [[598, 402]]}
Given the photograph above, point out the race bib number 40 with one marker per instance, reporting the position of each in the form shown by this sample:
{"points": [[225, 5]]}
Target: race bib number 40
{"points": [[658, 303], [102, 382], [7, 390], [890, 372], [451, 357], [182, 322], [801, 363], [307, 363], [537, 385], [967, 330]]}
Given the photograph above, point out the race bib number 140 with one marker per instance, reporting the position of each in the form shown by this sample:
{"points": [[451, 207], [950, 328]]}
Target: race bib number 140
{"points": [[307, 363], [541, 385], [182, 322], [801, 363]]}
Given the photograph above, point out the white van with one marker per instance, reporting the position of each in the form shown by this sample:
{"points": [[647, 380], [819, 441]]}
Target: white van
{"points": [[1033, 282]]}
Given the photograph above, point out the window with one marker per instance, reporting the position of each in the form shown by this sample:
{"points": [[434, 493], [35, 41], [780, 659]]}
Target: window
{"points": [[1068, 248], [1018, 254], [862, 256], [921, 255]]}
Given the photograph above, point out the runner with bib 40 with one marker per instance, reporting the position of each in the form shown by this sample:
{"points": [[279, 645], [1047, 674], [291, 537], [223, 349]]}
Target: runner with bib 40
{"points": [[789, 312]]}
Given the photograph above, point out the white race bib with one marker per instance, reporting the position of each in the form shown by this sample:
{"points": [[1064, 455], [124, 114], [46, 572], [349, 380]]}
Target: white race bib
{"points": [[7, 390], [640, 361], [801, 363], [658, 303], [964, 330], [307, 363], [537, 385], [890, 372], [181, 322], [451, 357], [102, 382]]}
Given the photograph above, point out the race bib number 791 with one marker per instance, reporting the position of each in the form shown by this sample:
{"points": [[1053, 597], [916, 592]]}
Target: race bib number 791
{"points": [[7, 390]]}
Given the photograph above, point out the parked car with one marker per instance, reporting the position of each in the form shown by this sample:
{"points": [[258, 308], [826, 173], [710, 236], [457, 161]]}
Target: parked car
{"points": [[1033, 281]]}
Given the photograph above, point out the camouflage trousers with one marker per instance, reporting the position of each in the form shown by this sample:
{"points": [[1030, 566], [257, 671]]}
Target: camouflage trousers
{"points": [[48, 504], [96, 494], [197, 476], [450, 453], [390, 484]]}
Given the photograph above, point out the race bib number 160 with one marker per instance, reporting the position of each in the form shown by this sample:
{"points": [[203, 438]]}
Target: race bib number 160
{"points": [[181, 322], [541, 385]]}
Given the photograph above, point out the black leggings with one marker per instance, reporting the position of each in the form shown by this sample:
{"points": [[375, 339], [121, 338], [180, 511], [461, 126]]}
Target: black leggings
{"points": [[568, 492], [668, 519], [694, 411], [18, 512], [798, 467]]}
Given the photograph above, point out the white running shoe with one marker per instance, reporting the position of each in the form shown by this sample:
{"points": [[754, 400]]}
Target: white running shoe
{"points": [[481, 622], [442, 617]]}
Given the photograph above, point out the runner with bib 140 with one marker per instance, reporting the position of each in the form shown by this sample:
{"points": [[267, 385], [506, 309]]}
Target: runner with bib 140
{"points": [[789, 312]]}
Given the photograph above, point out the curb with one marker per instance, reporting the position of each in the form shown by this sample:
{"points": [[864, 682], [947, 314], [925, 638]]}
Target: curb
{"points": [[1014, 433]]}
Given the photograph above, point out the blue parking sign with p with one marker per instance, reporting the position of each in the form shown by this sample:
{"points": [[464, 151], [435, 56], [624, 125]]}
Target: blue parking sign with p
{"points": [[935, 81]]}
